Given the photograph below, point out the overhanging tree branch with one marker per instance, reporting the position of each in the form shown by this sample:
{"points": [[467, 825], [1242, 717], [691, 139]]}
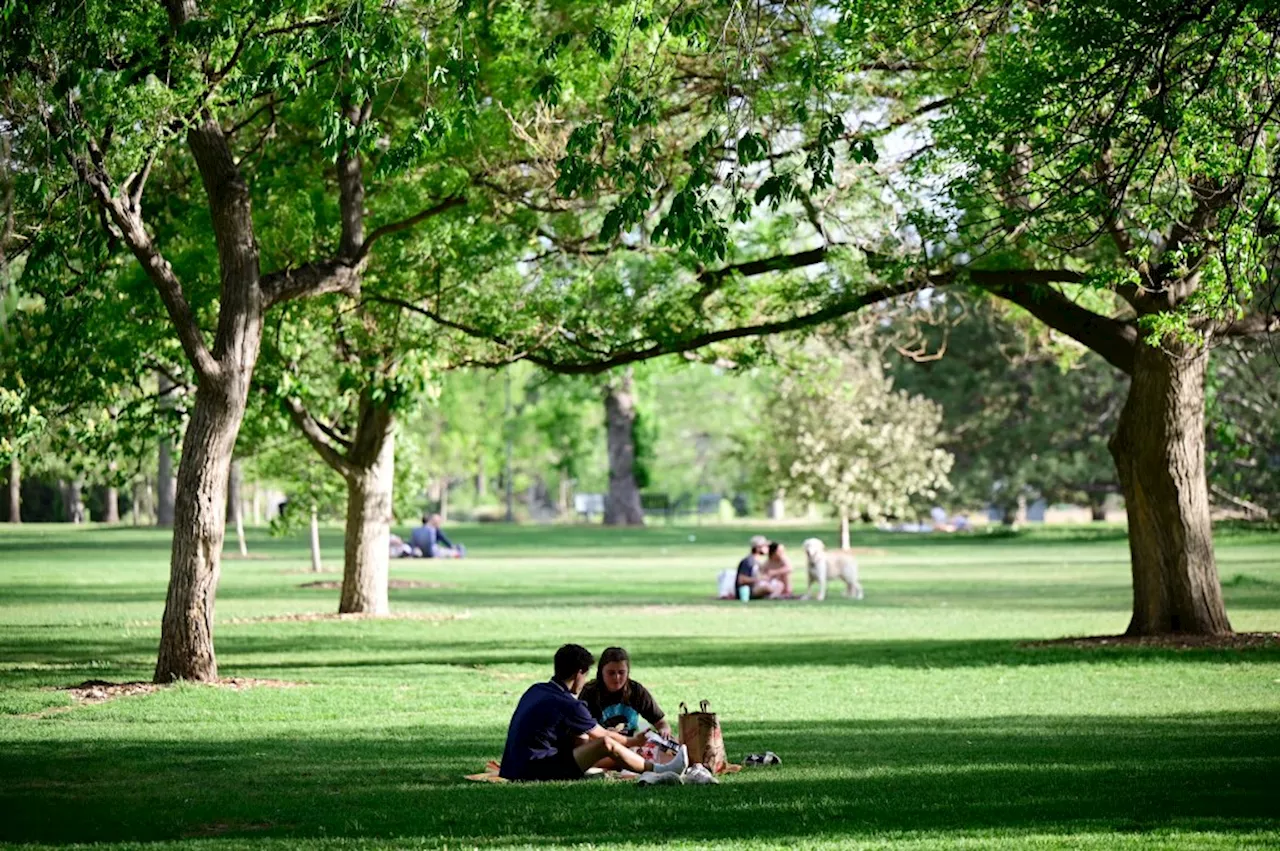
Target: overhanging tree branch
{"points": [[317, 435], [1114, 339], [404, 224], [128, 220]]}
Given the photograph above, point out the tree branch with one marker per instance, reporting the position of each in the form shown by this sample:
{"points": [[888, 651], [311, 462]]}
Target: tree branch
{"points": [[316, 435], [621, 358], [128, 220], [351, 189], [1113, 339], [404, 224], [318, 278], [1251, 326]]}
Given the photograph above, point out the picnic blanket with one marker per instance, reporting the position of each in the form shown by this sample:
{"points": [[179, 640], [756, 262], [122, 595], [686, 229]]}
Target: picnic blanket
{"points": [[490, 774]]}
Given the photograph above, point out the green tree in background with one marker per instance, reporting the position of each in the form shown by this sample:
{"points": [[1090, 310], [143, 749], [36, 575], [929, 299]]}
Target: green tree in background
{"points": [[838, 432]]}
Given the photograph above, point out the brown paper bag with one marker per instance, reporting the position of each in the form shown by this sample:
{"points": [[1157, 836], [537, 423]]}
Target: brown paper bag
{"points": [[700, 733]]}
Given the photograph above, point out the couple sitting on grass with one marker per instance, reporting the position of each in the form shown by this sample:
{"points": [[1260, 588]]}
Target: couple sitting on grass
{"points": [[554, 735], [765, 573]]}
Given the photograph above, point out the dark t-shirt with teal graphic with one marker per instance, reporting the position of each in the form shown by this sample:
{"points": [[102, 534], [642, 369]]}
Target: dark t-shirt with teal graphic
{"points": [[610, 709]]}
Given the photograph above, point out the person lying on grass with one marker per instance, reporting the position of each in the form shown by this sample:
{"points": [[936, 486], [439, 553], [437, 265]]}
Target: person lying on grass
{"points": [[618, 702], [552, 736]]}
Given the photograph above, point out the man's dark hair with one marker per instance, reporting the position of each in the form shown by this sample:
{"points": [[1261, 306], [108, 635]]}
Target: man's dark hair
{"points": [[571, 660], [426, 517]]}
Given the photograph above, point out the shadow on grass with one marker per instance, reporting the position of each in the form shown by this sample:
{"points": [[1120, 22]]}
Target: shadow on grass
{"points": [[838, 780], [401, 644]]}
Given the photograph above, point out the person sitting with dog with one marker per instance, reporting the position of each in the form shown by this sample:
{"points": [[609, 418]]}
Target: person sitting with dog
{"points": [[778, 567], [619, 702], [429, 541], [552, 735], [756, 584]]}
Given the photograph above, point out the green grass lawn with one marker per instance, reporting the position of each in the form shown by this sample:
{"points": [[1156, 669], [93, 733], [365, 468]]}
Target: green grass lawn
{"points": [[916, 718]]}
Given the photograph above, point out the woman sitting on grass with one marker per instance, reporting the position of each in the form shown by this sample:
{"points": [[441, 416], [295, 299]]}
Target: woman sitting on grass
{"points": [[778, 568], [619, 702]]}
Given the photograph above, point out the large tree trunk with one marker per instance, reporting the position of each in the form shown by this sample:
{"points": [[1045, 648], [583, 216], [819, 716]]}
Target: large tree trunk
{"points": [[199, 525], [369, 487], [199, 510], [622, 507], [844, 530], [15, 490], [1159, 453], [165, 484]]}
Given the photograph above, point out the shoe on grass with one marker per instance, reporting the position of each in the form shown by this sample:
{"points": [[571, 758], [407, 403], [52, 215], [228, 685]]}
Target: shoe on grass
{"points": [[677, 765]]}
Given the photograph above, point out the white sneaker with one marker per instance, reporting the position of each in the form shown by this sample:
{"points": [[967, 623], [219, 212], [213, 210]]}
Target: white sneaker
{"points": [[699, 775], [677, 765]]}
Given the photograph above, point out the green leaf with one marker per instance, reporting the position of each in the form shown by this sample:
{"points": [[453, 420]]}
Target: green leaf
{"points": [[601, 41]]}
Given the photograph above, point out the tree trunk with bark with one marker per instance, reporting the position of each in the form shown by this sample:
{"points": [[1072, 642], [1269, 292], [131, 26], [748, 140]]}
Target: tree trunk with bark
{"points": [[777, 507], [224, 373], [366, 556], [15, 490], [622, 506], [186, 633], [367, 464], [844, 531], [165, 484], [1159, 453]]}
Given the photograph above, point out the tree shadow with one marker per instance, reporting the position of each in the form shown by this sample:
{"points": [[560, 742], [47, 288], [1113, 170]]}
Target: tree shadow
{"points": [[336, 646], [841, 780]]}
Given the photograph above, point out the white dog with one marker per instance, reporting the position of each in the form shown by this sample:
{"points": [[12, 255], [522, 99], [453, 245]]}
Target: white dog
{"points": [[823, 562]]}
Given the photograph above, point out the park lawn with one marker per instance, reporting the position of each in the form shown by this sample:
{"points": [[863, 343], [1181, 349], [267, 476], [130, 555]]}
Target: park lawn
{"points": [[915, 719]]}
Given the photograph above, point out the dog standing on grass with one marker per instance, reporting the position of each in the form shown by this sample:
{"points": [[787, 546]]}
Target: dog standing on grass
{"points": [[824, 562]]}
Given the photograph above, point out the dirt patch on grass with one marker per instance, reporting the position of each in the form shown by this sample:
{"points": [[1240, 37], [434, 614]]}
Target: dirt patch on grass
{"points": [[221, 828], [394, 583], [100, 691], [304, 617], [1238, 641]]}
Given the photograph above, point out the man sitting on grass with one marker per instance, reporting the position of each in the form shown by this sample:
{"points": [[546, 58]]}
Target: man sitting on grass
{"points": [[429, 541], [552, 736]]}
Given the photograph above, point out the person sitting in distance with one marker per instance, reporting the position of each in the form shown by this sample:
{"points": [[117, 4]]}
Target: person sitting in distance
{"points": [[552, 736], [749, 576], [777, 568], [429, 541]]}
